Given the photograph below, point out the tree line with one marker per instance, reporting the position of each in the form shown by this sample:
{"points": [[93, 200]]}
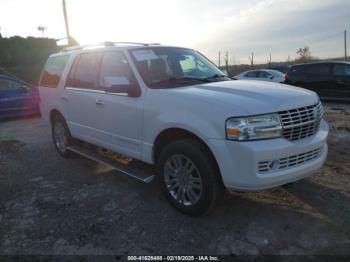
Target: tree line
{"points": [[25, 57]]}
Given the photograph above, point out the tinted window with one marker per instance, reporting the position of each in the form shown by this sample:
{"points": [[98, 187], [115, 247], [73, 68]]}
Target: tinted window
{"points": [[9, 85], [84, 71], [263, 74], [115, 71], [251, 74], [341, 70], [53, 71], [297, 70], [321, 69]]}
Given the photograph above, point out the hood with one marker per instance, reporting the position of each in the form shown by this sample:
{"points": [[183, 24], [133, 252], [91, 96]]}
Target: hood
{"points": [[252, 97]]}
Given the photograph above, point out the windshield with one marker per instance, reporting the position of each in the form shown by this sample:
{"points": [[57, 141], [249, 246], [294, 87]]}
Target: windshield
{"points": [[162, 67]]}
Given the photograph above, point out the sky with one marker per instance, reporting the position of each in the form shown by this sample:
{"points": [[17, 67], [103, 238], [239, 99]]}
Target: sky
{"points": [[238, 27]]}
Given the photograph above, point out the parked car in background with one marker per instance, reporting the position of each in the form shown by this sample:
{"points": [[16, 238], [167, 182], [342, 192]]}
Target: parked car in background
{"points": [[262, 75], [17, 98], [330, 80]]}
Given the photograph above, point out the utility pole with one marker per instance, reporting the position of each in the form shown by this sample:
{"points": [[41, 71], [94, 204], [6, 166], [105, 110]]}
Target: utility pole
{"points": [[251, 59], [66, 22], [219, 58], [226, 61], [345, 48], [269, 61]]}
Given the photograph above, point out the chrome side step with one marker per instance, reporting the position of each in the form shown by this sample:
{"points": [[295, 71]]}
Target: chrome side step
{"points": [[129, 170]]}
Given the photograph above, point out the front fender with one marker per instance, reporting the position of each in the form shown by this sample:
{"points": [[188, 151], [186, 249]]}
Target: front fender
{"points": [[197, 125]]}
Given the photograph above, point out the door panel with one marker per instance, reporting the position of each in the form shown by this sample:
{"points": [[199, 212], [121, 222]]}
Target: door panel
{"points": [[82, 114], [318, 77], [120, 120], [95, 112], [79, 97], [121, 116]]}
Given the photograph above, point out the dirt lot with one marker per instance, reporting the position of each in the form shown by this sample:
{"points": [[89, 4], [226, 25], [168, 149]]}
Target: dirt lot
{"points": [[51, 205]]}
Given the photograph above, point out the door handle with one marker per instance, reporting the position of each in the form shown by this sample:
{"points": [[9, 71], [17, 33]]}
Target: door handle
{"points": [[63, 97], [99, 102], [340, 82]]}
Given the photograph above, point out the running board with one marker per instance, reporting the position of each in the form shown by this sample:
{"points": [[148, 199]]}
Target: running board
{"points": [[129, 170]]}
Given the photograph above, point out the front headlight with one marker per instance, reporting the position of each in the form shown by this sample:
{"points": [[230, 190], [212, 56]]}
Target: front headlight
{"points": [[253, 127]]}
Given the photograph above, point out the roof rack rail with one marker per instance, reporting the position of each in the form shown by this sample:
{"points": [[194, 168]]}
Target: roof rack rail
{"points": [[79, 47], [106, 44], [136, 43]]}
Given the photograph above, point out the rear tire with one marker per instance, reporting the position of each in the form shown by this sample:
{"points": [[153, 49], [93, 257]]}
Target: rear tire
{"points": [[61, 136], [189, 177]]}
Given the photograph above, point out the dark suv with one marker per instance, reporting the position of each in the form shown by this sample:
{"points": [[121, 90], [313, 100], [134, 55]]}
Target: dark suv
{"points": [[330, 80]]}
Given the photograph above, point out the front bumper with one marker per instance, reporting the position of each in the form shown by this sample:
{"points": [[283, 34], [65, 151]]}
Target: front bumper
{"points": [[239, 161]]}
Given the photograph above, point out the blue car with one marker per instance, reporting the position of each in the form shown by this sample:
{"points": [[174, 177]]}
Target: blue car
{"points": [[17, 98]]}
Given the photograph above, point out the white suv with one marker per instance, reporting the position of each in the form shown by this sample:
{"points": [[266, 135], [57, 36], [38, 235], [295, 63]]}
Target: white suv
{"points": [[173, 108]]}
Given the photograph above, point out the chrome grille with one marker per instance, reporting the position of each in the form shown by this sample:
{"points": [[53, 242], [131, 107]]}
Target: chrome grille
{"points": [[301, 122], [289, 161]]}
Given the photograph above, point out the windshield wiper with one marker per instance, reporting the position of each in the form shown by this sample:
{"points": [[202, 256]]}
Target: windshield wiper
{"points": [[215, 76], [176, 80]]}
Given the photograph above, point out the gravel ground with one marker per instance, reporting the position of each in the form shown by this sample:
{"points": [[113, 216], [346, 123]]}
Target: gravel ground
{"points": [[51, 205]]}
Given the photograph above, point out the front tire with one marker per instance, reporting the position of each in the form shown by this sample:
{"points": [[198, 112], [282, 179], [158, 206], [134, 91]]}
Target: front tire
{"points": [[189, 177], [61, 136]]}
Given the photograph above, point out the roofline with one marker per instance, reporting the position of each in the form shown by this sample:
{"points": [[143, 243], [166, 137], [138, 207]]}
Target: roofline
{"points": [[323, 62], [105, 44]]}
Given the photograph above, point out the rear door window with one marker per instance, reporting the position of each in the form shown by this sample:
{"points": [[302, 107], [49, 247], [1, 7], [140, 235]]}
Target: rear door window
{"points": [[341, 70], [9, 85], [84, 73], [263, 74], [5, 85], [53, 71], [251, 74]]}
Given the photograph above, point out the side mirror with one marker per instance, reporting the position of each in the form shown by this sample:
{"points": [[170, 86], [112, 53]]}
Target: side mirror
{"points": [[121, 85], [271, 77]]}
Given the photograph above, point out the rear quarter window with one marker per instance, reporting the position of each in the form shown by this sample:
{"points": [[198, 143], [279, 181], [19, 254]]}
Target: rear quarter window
{"points": [[53, 71], [341, 70]]}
